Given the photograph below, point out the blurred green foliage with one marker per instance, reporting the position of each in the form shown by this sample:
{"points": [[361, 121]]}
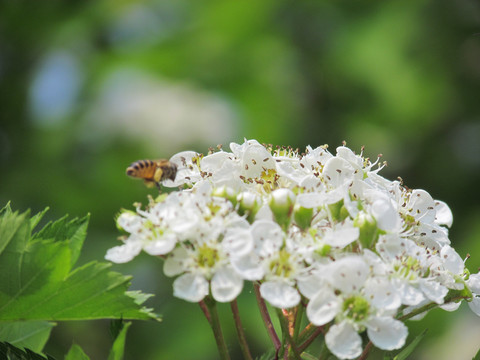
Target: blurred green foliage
{"points": [[88, 87]]}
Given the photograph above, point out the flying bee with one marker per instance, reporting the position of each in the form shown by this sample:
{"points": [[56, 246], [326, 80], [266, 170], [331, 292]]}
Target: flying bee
{"points": [[153, 171]]}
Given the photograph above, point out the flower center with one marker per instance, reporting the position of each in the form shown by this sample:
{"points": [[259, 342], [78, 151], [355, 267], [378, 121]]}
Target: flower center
{"points": [[281, 265], [356, 308], [207, 257]]}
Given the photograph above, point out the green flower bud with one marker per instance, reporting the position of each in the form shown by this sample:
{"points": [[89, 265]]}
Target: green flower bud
{"points": [[303, 216], [368, 230], [248, 204], [227, 193], [338, 211], [281, 203]]}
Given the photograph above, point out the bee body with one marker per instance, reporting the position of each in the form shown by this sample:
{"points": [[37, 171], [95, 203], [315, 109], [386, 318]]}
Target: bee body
{"points": [[152, 171]]}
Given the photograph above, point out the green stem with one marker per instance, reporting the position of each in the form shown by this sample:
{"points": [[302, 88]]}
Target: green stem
{"points": [[241, 334], [306, 332], [266, 319], [298, 321], [418, 311], [305, 344], [286, 335], [216, 328]]}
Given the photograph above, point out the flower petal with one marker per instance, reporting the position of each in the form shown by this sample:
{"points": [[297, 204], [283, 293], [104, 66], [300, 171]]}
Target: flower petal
{"points": [[124, 253], [343, 341], [190, 287], [387, 333], [323, 307], [280, 294], [226, 284]]}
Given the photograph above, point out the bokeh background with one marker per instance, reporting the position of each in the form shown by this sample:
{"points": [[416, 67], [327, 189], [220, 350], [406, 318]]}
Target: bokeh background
{"points": [[87, 87]]}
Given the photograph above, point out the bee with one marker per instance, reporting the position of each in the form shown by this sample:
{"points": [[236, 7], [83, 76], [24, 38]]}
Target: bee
{"points": [[152, 171]]}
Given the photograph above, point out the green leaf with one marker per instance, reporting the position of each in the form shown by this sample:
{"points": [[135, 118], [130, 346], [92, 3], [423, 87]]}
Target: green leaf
{"points": [[477, 356], [270, 354], [118, 348], [10, 352], [26, 334], [76, 353], [405, 353], [38, 282]]}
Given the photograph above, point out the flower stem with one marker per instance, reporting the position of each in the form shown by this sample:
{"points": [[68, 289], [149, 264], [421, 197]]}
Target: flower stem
{"points": [[365, 352], [284, 323], [310, 339], [205, 311], [298, 321], [240, 333], [216, 328], [266, 319], [418, 311]]}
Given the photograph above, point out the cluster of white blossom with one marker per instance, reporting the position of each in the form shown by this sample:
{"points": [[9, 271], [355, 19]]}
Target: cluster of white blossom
{"points": [[322, 230]]}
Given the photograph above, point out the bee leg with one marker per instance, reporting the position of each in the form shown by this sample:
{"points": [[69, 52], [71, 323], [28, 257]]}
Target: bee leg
{"points": [[158, 174], [149, 183], [159, 187]]}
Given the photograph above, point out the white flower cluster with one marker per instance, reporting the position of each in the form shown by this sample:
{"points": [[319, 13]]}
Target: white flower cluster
{"points": [[315, 229]]}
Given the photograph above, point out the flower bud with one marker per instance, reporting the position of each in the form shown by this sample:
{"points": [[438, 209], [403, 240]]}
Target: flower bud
{"points": [[226, 192], [248, 204], [368, 229], [338, 211], [303, 216], [281, 203]]}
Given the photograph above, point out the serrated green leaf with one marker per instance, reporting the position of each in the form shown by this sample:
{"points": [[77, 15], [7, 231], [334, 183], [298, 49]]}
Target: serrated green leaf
{"points": [[118, 348], [37, 281], [26, 334], [403, 355], [73, 232], [10, 352], [10, 224], [76, 353], [35, 219]]}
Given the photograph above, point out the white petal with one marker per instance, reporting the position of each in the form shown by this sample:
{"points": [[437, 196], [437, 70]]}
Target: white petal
{"points": [[473, 283], [342, 236], [451, 306], [130, 221], [386, 214], [238, 242], [311, 284], [248, 266], [323, 307], [387, 333], [226, 284], [175, 263], [161, 246], [422, 206], [124, 253], [190, 287], [343, 341], [187, 172], [410, 295], [451, 260], [433, 290], [338, 172], [475, 305], [443, 214], [348, 274], [268, 237], [280, 294], [381, 293]]}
